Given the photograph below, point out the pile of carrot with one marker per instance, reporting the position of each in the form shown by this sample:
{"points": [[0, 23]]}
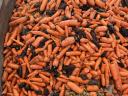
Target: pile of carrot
{"points": [[57, 46]]}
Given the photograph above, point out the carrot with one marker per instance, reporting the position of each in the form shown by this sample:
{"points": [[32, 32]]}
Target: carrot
{"points": [[74, 87], [73, 53], [116, 76], [68, 41], [13, 35], [100, 3], [40, 33], [18, 21], [62, 90], [37, 41], [93, 94], [15, 92], [58, 84], [98, 63], [91, 2], [60, 29], [67, 12], [43, 5], [58, 2], [68, 23], [92, 88], [101, 29], [83, 1], [76, 79], [103, 79], [14, 66], [46, 79], [62, 52]]}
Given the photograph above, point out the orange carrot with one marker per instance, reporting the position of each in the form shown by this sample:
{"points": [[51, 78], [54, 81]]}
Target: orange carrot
{"points": [[14, 34], [74, 87], [92, 88], [18, 21], [43, 5], [68, 23], [68, 41]]}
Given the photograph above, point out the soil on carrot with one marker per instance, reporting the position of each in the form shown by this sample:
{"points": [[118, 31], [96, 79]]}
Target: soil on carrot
{"points": [[66, 48]]}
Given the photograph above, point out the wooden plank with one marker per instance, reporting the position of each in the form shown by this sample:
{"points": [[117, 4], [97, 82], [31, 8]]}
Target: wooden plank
{"points": [[6, 7]]}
